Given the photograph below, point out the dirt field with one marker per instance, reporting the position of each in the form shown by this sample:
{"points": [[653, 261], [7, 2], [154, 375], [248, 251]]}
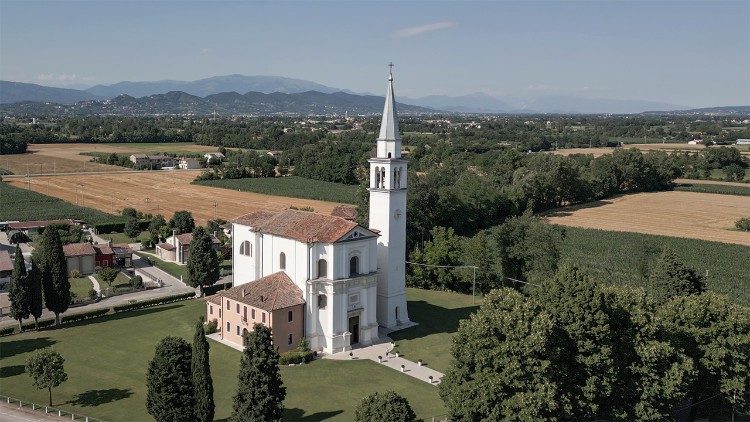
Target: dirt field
{"points": [[681, 214], [161, 192], [598, 152], [66, 158]]}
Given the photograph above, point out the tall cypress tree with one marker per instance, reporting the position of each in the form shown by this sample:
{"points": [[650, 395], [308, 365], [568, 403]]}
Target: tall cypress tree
{"points": [[19, 290], [35, 291], [169, 382], [203, 264], [54, 273], [204, 387], [260, 392]]}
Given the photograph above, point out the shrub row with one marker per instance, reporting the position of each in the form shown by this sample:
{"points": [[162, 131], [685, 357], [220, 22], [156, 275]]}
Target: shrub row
{"points": [[42, 323], [153, 302], [119, 227], [7, 331], [84, 315], [296, 356], [215, 288]]}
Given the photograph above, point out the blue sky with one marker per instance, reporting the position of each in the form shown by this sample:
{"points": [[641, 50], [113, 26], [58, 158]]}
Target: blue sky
{"points": [[691, 53]]}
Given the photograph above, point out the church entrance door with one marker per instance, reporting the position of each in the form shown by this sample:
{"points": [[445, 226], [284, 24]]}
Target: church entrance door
{"points": [[354, 329]]}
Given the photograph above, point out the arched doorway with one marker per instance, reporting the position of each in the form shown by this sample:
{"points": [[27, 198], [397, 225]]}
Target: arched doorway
{"points": [[353, 266]]}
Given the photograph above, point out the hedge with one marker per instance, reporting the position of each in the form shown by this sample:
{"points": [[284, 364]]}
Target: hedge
{"points": [[42, 323], [7, 331], [105, 228], [84, 315], [215, 288], [296, 356], [153, 302]]}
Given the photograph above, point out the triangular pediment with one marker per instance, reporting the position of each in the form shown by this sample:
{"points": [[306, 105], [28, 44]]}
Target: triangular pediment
{"points": [[357, 233]]}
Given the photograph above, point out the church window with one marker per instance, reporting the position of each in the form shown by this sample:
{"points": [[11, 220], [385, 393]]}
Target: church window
{"points": [[229, 306], [246, 248], [382, 178], [282, 261], [289, 341], [252, 314], [238, 330], [229, 327], [389, 155], [322, 268], [290, 316], [244, 313], [263, 317], [377, 177], [322, 301], [353, 266]]}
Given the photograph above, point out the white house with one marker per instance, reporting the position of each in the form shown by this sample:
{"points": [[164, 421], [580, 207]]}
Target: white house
{"points": [[743, 142], [351, 278], [187, 163], [214, 157]]}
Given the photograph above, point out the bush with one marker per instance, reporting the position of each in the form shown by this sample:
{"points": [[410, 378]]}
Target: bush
{"points": [[743, 224], [296, 356], [136, 282], [153, 302], [215, 288], [7, 331], [211, 326], [146, 244], [84, 315], [93, 294], [104, 228], [42, 324], [75, 274]]}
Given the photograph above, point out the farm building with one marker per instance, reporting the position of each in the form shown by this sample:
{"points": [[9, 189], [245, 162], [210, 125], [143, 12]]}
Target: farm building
{"points": [[28, 227], [81, 258], [175, 248], [214, 157], [152, 161], [85, 257], [6, 269], [189, 163]]}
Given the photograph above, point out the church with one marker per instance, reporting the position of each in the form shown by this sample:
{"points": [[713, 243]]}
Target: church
{"points": [[319, 276]]}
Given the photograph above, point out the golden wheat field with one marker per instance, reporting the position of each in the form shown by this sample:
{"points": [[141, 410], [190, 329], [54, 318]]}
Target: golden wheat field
{"points": [[161, 192], [598, 152], [695, 215]]}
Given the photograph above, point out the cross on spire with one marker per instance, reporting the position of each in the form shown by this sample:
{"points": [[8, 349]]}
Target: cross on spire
{"points": [[390, 71]]}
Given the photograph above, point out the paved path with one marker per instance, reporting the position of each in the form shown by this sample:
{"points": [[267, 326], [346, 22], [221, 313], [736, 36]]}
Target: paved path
{"points": [[12, 413], [95, 282]]}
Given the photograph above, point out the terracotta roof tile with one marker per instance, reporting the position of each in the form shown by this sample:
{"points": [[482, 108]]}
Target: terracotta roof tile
{"points": [[78, 249], [6, 264], [186, 238], [303, 226], [349, 213], [103, 249], [166, 246], [36, 224], [272, 292]]}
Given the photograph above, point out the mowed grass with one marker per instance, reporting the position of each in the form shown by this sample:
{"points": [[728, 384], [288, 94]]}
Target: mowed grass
{"points": [[81, 287], [438, 314], [123, 238], [106, 361], [715, 188], [627, 258], [23, 205], [291, 186], [175, 270]]}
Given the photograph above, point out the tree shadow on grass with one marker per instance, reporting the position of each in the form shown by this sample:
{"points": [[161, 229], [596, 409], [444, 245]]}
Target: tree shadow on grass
{"points": [[11, 371], [17, 347], [295, 414], [121, 315], [98, 397], [432, 319]]}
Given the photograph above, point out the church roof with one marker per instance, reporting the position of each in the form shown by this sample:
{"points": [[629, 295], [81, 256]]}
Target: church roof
{"points": [[272, 292], [389, 124], [303, 226]]}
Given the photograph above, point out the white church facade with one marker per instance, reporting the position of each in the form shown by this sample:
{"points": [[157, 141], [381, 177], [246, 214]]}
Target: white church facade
{"points": [[351, 278]]}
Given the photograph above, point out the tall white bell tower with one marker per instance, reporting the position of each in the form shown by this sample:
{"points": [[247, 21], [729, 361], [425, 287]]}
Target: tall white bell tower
{"points": [[388, 187]]}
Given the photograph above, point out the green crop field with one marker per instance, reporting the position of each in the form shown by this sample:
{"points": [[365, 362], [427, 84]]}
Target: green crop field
{"points": [[168, 147], [291, 186], [625, 258], [715, 188], [106, 360], [23, 205]]}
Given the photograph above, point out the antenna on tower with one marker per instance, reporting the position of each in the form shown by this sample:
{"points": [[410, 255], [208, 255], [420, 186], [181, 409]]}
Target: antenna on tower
{"points": [[390, 71]]}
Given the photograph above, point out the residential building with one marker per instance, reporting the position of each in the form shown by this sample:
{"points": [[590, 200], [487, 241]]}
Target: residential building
{"points": [[81, 258], [176, 248], [187, 163], [214, 157], [6, 270]]}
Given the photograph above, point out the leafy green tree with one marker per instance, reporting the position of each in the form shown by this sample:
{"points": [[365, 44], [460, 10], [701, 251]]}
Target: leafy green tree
{"points": [[170, 382], [130, 212], [260, 392], [715, 333], [156, 223], [734, 173], [202, 264], [35, 291], [508, 363], [670, 277], [479, 251], [46, 369], [19, 290], [182, 221], [743, 224], [204, 387], [107, 274], [436, 257], [54, 273], [132, 228], [384, 407]]}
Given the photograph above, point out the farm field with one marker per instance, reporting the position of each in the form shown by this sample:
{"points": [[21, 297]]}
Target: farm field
{"points": [[625, 258], [715, 188], [161, 192], [291, 186], [693, 215], [118, 392], [599, 151], [18, 203]]}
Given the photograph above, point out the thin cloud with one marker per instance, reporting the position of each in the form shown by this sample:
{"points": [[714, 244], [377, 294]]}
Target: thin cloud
{"points": [[422, 29]]}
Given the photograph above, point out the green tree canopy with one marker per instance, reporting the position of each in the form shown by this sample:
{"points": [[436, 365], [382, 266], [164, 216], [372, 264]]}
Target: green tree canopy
{"points": [[35, 291], [384, 407], [444, 250], [204, 387], [182, 221], [19, 289], [202, 264], [54, 273], [169, 381], [46, 369], [132, 228], [670, 277], [260, 392]]}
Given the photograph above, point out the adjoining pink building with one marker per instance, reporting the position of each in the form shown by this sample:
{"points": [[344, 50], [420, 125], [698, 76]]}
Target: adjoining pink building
{"points": [[274, 301]]}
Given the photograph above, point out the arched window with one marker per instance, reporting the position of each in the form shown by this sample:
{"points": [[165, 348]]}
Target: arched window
{"points": [[246, 248], [322, 268], [382, 178], [377, 177], [389, 155], [282, 261], [398, 177], [353, 266]]}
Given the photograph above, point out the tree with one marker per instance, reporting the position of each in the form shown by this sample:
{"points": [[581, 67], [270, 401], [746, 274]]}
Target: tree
{"points": [[507, 363], [156, 223], [437, 256], [131, 228], [107, 274], [734, 172], [19, 290], [384, 407], [670, 277], [182, 221], [130, 212], [260, 392], [35, 291], [54, 273], [46, 369], [204, 387], [170, 382], [202, 264]]}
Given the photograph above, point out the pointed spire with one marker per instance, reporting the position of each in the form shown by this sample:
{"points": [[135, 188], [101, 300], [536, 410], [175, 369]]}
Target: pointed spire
{"points": [[389, 124]]}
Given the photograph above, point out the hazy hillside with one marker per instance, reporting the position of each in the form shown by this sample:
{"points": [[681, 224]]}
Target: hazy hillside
{"points": [[13, 92]]}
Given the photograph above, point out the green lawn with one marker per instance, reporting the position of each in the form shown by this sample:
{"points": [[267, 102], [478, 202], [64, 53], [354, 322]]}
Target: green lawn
{"points": [[120, 282], [438, 314], [170, 267], [81, 287], [163, 147], [291, 186], [106, 361], [123, 238]]}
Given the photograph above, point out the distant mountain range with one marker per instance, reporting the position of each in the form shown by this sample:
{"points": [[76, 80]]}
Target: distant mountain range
{"points": [[230, 86], [225, 103]]}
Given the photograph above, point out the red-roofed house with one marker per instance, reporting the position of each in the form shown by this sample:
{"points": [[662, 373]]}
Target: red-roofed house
{"points": [[81, 257]]}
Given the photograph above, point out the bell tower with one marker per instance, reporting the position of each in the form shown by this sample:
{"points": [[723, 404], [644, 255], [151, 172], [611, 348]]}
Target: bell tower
{"points": [[388, 186]]}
